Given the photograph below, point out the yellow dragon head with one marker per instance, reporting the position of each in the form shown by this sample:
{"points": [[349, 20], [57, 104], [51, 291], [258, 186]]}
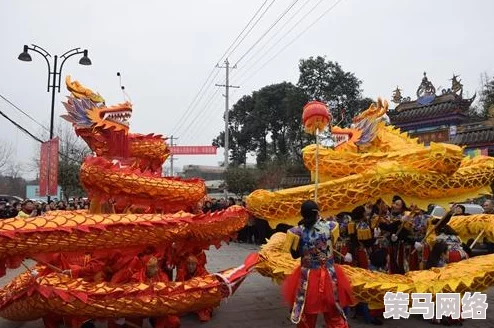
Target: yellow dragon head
{"points": [[86, 109], [363, 130]]}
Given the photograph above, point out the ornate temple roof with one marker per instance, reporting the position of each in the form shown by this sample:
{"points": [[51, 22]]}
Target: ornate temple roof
{"points": [[429, 106], [481, 134]]}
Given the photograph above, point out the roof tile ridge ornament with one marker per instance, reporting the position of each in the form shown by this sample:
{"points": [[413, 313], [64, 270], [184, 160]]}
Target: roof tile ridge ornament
{"points": [[398, 99], [426, 88]]}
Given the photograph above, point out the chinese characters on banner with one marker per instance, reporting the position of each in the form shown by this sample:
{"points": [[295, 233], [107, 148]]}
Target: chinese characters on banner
{"points": [[43, 168], [193, 150], [48, 168], [53, 168]]}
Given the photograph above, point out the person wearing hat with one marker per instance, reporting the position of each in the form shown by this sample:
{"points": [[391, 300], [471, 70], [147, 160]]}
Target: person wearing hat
{"points": [[149, 273], [344, 243], [194, 269], [457, 250], [317, 285]]}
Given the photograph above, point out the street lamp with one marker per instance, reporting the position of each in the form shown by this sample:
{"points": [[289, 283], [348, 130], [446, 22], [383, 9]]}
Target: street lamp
{"points": [[56, 72]]}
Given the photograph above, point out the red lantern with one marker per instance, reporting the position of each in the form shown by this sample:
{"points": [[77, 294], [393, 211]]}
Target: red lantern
{"points": [[316, 116]]}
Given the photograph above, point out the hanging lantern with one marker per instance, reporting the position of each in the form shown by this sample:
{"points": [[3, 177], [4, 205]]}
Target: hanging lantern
{"points": [[315, 117]]}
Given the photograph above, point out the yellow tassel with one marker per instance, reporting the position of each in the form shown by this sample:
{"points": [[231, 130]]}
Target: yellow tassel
{"points": [[335, 233], [364, 234], [351, 228], [374, 221], [291, 242]]}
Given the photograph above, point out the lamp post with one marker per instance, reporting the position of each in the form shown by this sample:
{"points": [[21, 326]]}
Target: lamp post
{"points": [[55, 72]]}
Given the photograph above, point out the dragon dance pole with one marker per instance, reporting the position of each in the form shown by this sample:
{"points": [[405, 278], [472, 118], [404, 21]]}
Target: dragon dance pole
{"points": [[317, 166], [315, 117]]}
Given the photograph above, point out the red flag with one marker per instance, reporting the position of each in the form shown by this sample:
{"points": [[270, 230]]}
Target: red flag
{"points": [[43, 168], [53, 168]]}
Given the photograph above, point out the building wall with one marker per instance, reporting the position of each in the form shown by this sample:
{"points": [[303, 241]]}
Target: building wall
{"points": [[207, 175]]}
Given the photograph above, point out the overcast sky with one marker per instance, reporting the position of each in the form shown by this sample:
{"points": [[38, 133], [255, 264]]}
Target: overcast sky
{"points": [[166, 49]]}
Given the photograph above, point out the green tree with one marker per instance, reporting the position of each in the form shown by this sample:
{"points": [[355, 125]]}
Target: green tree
{"points": [[239, 133], [266, 123], [326, 81], [240, 180], [487, 96]]}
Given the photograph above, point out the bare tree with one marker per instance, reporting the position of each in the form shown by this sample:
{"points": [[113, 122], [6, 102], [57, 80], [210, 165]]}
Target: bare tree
{"points": [[15, 170], [5, 156]]}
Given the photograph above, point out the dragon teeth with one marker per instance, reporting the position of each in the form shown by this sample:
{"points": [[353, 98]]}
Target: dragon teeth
{"points": [[118, 117]]}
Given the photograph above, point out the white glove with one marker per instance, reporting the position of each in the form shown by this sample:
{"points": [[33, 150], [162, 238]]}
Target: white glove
{"points": [[34, 273], [394, 237], [348, 258], [120, 321], [418, 246], [377, 232]]}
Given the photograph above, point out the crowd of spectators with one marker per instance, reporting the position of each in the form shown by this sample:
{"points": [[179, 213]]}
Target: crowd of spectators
{"points": [[214, 204], [30, 208]]}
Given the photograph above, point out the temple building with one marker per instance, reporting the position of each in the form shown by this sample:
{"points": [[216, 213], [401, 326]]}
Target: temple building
{"points": [[446, 117]]}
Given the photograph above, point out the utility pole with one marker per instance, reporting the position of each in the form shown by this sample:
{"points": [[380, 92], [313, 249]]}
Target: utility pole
{"points": [[171, 156], [227, 94]]}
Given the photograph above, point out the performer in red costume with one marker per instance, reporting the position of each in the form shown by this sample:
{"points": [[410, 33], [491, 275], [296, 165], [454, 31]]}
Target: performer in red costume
{"points": [[189, 269], [317, 285], [149, 273], [87, 266]]}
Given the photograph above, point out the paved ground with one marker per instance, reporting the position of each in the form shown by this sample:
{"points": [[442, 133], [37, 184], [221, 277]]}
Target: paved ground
{"points": [[257, 302]]}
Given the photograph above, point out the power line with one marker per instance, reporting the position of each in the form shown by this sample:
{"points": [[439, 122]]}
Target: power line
{"points": [[257, 21], [26, 131], [23, 112], [191, 107], [238, 36], [279, 30], [21, 128], [293, 40], [238, 44], [209, 101], [214, 105], [181, 120], [284, 35], [267, 31]]}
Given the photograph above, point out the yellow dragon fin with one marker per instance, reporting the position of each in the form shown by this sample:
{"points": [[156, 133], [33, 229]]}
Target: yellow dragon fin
{"points": [[80, 92]]}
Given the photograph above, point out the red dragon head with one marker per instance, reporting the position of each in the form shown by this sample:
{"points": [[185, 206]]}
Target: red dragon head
{"points": [[86, 110]]}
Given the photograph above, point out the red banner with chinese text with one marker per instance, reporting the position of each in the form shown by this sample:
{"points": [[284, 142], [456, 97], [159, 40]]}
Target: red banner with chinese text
{"points": [[53, 167], [193, 150], [43, 168]]}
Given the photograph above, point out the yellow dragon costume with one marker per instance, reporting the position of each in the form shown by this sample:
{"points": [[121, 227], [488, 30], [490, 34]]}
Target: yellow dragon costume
{"points": [[373, 160]]}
